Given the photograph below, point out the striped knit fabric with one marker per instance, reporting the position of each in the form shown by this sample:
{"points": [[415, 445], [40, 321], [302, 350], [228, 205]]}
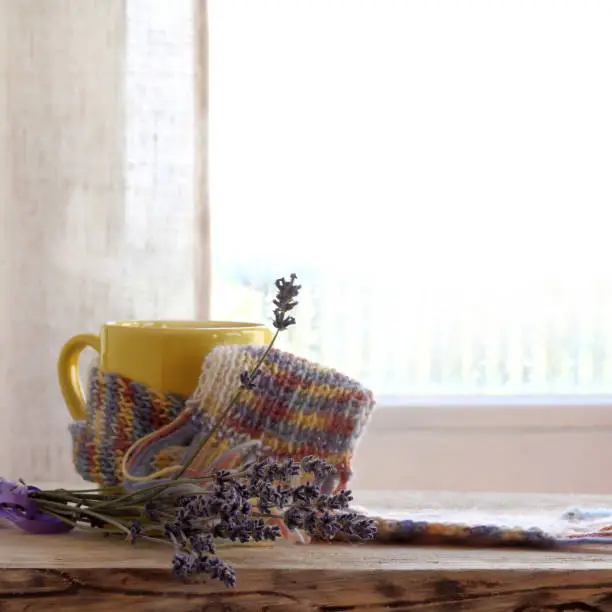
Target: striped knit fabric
{"points": [[295, 408], [576, 527], [441, 533], [119, 412]]}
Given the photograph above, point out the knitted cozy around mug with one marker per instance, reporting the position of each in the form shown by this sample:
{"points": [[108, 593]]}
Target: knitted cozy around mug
{"points": [[294, 408], [119, 413]]}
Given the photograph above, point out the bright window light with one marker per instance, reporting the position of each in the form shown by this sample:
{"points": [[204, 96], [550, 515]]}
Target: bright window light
{"points": [[437, 173]]}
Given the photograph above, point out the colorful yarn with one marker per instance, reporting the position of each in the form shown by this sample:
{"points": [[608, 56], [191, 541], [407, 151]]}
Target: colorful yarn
{"points": [[407, 531], [295, 408], [119, 412], [574, 528]]}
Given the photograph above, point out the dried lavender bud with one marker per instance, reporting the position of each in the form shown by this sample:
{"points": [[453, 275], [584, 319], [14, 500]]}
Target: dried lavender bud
{"points": [[294, 517], [286, 293], [284, 470], [285, 301], [307, 493], [326, 526], [224, 477], [339, 501], [257, 527], [281, 321], [323, 525], [245, 508], [242, 490], [229, 510], [365, 528], [202, 543], [271, 532], [283, 496], [135, 531], [248, 381], [192, 508], [267, 498], [183, 565], [319, 467], [216, 568], [239, 532], [356, 525], [260, 470], [310, 521]]}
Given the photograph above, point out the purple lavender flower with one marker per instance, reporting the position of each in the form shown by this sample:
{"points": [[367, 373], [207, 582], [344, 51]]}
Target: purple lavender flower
{"points": [[135, 531], [260, 530], [183, 565], [326, 526], [245, 508], [285, 469], [268, 497], [256, 528], [283, 496], [202, 543], [307, 493], [285, 301], [192, 508], [247, 381], [271, 532], [262, 470], [339, 501], [224, 477], [216, 568], [239, 533], [294, 517], [319, 467], [356, 525]]}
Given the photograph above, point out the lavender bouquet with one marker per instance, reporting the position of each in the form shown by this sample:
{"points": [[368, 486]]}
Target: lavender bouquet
{"points": [[247, 504]]}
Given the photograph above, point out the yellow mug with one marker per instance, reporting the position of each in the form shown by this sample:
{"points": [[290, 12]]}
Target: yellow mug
{"points": [[164, 355]]}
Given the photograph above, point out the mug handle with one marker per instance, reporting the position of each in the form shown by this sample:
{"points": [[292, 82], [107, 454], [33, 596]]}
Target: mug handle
{"points": [[68, 372]]}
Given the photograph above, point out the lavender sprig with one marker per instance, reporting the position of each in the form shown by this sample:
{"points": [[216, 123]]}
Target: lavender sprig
{"points": [[192, 517], [285, 301]]}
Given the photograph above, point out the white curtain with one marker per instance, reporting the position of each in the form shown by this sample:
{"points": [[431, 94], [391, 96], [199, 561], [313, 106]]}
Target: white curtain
{"points": [[102, 194]]}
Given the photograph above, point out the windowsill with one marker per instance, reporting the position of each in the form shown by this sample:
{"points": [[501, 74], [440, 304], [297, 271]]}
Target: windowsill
{"points": [[489, 445], [582, 413]]}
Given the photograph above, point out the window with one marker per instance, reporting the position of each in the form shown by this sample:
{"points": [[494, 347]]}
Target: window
{"points": [[438, 175]]}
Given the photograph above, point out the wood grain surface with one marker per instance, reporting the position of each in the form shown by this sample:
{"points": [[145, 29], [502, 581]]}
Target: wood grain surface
{"points": [[85, 572]]}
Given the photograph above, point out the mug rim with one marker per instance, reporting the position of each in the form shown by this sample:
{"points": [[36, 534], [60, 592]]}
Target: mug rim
{"points": [[177, 325]]}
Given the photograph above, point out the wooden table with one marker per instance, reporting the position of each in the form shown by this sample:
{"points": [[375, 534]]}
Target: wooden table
{"points": [[85, 572]]}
